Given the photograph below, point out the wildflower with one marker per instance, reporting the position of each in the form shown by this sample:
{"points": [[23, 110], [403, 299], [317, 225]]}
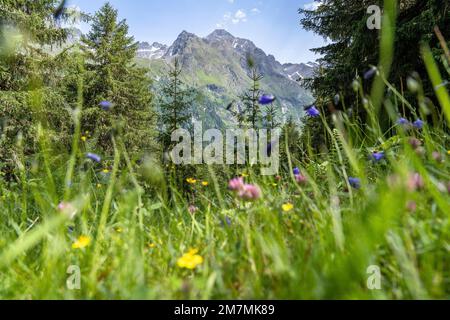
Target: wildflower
{"points": [[191, 180], [105, 105], [266, 99], [448, 152], [192, 209], [249, 192], [83, 138], [415, 143], [105, 171], [301, 179], [67, 209], [287, 207], [418, 124], [236, 184], [415, 182], [296, 171], [244, 175], [354, 182], [82, 242], [94, 157], [205, 183], [411, 206], [437, 156], [377, 156], [152, 245], [99, 186], [403, 122], [190, 260], [313, 112], [370, 73]]}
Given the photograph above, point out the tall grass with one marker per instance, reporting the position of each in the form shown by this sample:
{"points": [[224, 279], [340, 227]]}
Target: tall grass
{"points": [[322, 248]]}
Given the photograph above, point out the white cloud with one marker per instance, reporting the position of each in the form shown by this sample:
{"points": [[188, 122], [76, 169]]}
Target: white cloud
{"points": [[255, 11], [239, 16], [231, 1], [312, 5], [236, 18]]}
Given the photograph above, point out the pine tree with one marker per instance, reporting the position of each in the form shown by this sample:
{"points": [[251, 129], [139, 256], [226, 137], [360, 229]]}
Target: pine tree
{"points": [[112, 75], [252, 114], [174, 104], [271, 117], [354, 48], [29, 97]]}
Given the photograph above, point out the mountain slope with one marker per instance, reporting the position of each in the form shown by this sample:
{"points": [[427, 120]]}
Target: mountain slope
{"points": [[217, 65]]}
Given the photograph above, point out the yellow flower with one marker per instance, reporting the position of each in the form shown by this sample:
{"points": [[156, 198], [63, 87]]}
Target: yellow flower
{"points": [[152, 245], [448, 152], [84, 138], [190, 260], [119, 230], [106, 170], [99, 186], [82, 242], [191, 181], [244, 175], [205, 183], [287, 207]]}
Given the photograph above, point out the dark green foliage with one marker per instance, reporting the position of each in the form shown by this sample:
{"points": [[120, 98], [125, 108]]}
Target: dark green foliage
{"points": [[251, 114], [355, 48], [174, 105], [111, 75], [28, 99]]}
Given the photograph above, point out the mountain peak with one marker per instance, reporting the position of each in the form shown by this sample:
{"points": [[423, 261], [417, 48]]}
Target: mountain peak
{"points": [[220, 34]]}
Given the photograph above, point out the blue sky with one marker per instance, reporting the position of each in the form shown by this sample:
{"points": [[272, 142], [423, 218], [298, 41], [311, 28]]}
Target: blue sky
{"points": [[273, 25]]}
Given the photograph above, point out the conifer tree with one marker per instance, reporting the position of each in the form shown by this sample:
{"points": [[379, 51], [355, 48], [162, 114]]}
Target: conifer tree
{"points": [[174, 104], [354, 48], [271, 117], [29, 97], [112, 76], [250, 99]]}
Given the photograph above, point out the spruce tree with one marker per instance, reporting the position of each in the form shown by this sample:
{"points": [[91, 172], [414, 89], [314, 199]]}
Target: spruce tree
{"points": [[174, 105], [271, 117], [29, 96], [112, 75], [353, 48], [252, 114]]}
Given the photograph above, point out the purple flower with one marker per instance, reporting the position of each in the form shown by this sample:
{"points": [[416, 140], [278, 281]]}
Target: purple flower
{"points": [[313, 112], [250, 192], [301, 179], [370, 73], [266, 99], [403, 122], [94, 157], [296, 171], [236, 184], [377, 156], [105, 105], [418, 124], [354, 182]]}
